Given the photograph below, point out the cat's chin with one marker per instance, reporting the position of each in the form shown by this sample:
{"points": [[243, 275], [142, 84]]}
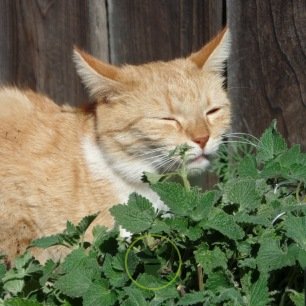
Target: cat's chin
{"points": [[197, 165]]}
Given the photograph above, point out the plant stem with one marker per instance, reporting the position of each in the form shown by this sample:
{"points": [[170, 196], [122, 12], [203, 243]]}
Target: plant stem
{"points": [[200, 277], [181, 289], [183, 174]]}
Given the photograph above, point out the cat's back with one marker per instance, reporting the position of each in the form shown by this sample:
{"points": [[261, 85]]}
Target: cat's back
{"points": [[27, 118], [16, 103]]}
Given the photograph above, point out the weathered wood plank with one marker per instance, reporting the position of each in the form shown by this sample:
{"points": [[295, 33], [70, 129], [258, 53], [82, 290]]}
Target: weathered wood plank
{"points": [[146, 30], [266, 72], [38, 37]]}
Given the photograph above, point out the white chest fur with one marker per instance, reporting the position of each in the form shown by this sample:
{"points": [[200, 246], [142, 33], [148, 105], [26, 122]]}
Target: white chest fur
{"points": [[100, 170]]}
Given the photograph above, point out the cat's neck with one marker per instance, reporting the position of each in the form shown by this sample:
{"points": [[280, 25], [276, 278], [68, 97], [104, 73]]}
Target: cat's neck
{"points": [[101, 170]]}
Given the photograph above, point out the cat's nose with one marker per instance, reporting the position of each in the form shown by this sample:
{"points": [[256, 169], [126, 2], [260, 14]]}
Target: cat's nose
{"points": [[201, 141]]}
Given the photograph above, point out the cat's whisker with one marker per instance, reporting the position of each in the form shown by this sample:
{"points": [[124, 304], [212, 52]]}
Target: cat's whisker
{"points": [[242, 134], [240, 142], [244, 140]]}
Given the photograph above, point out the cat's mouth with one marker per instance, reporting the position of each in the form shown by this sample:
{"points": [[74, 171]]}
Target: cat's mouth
{"points": [[198, 159]]}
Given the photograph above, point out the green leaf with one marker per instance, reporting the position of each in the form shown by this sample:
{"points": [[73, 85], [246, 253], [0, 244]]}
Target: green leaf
{"points": [[217, 281], [23, 260], [136, 297], [204, 204], [194, 232], [178, 224], [13, 281], [242, 192], [2, 271], [82, 270], [149, 281], [179, 200], [192, 298], [252, 219], [48, 241], [85, 223], [232, 295], [21, 302], [97, 294], [247, 167], [270, 255], [152, 178], [116, 278], [210, 259], [47, 270], [137, 216], [224, 223], [295, 228], [99, 235], [298, 298], [270, 144], [256, 293]]}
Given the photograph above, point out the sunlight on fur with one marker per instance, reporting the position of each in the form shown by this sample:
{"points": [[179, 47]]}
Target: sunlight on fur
{"points": [[60, 163]]}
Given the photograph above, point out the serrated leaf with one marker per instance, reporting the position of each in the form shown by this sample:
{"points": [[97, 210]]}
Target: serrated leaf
{"points": [[99, 235], [73, 260], [160, 226], [135, 296], [224, 223], [2, 271], [210, 259], [116, 278], [178, 224], [152, 178], [232, 295], [259, 292], [217, 281], [192, 298], [271, 143], [252, 219], [80, 276], [23, 260], [97, 294], [295, 228], [179, 200], [203, 205], [85, 223], [48, 241], [47, 270], [290, 157], [13, 281], [242, 192], [247, 167], [270, 255], [21, 302], [168, 293], [149, 281], [137, 216], [194, 232], [298, 298]]}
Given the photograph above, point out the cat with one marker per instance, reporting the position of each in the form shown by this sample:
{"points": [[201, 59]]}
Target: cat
{"points": [[61, 163]]}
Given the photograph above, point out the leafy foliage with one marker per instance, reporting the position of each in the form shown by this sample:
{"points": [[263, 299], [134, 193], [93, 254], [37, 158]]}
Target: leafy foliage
{"points": [[242, 243]]}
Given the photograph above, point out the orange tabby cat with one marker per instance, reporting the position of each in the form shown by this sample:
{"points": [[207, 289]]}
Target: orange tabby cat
{"points": [[59, 163]]}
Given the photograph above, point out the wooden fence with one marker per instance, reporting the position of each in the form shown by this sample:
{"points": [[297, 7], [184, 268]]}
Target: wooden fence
{"points": [[266, 72]]}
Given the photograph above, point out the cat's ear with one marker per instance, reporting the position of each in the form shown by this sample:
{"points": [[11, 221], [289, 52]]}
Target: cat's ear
{"points": [[212, 56], [101, 79]]}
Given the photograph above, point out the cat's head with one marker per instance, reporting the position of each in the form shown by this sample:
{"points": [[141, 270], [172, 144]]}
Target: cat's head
{"points": [[143, 112]]}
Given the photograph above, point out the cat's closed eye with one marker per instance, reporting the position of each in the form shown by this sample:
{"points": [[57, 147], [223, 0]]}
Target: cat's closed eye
{"points": [[213, 111]]}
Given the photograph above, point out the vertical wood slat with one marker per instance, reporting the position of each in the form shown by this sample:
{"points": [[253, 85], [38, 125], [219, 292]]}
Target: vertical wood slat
{"points": [[266, 72], [37, 37], [146, 30]]}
